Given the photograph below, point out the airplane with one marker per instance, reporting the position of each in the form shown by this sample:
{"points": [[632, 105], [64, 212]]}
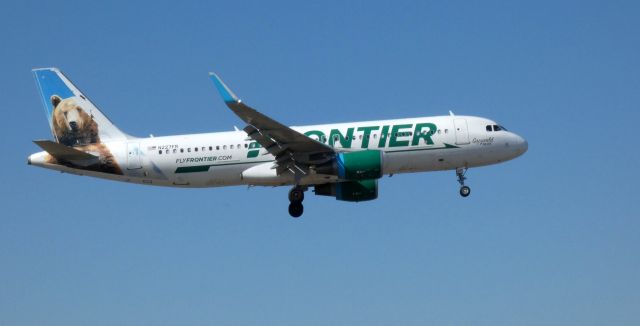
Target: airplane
{"points": [[343, 160]]}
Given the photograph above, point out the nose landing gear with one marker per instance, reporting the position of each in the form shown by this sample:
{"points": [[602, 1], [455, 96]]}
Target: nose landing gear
{"points": [[464, 190], [296, 196]]}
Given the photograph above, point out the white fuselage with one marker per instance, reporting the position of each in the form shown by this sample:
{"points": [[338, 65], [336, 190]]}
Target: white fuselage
{"points": [[232, 158]]}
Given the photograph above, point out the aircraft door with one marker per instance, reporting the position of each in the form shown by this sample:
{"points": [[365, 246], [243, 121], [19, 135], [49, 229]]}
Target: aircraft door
{"points": [[462, 132], [133, 156]]}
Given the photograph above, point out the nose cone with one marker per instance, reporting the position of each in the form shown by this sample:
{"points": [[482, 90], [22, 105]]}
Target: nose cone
{"points": [[520, 144]]}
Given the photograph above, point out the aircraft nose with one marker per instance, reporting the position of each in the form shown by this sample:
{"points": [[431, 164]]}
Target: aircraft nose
{"points": [[521, 144]]}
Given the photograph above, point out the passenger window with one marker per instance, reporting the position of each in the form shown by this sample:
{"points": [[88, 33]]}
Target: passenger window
{"points": [[439, 131], [239, 147], [195, 149], [181, 150], [175, 151], [246, 145], [446, 131], [224, 147], [217, 148], [189, 149], [160, 152], [230, 146]]}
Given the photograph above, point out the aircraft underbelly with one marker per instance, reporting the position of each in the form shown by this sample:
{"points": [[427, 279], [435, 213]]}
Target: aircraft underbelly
{"points": [[419, 160]]}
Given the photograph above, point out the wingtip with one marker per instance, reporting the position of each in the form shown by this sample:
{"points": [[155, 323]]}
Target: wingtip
{"points": [[227, 95], [45, 68]]}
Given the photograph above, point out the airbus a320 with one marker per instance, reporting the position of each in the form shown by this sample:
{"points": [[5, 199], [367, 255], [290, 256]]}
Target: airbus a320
{"points": [[343, 160]]}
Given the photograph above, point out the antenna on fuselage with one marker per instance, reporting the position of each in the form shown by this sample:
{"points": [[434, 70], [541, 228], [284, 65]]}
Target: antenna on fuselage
{"points": [[451, 113]]}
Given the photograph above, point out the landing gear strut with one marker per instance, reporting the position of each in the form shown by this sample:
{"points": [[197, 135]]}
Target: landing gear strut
{"points": [[464, 190], [296, 196]]}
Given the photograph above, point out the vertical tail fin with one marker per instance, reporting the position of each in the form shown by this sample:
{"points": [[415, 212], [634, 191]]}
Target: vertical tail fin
{"points": [[73, 119]]}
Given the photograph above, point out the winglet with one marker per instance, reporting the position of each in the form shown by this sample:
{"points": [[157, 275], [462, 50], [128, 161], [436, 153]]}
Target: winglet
{"points": [[225, 92]]}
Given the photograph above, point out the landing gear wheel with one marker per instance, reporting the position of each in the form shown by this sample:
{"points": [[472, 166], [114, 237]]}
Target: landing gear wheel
{"points": [[296, 194], [464, 190], [296, 209]]}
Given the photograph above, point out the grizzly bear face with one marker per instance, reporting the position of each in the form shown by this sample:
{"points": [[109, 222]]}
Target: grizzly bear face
{"points": [[71, 124]]}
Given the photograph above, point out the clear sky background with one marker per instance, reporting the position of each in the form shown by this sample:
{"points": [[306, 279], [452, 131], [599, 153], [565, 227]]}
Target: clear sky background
{"points": [[551, 238]]}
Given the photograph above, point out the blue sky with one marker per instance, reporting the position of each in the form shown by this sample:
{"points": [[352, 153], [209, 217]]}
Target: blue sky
{"points": [[550, 238]]}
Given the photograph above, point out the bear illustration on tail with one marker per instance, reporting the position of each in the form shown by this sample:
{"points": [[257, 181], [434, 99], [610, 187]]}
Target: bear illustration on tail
{"points": [[71, 124], [74, 127]]}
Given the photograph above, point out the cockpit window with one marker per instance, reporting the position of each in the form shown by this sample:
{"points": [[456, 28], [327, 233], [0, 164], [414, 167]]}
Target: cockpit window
{"points": [[496, 128], [489, 128]]}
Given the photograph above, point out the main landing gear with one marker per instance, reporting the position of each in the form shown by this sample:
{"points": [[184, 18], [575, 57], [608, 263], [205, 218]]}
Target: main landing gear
{"points": [[464, 190], [296, 196]]}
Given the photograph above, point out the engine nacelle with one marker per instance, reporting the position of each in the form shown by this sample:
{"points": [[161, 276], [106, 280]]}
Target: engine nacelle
{"points": [[361, 165], [350, 190]]}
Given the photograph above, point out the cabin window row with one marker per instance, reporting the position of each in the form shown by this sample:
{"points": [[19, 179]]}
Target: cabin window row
{"points": [[201, 149], [323, 139]]}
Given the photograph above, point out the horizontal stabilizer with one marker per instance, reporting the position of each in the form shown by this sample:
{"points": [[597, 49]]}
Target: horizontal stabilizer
{"points": [[66, 153]]}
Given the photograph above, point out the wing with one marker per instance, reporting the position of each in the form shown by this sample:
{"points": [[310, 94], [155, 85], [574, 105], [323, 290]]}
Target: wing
{"points": [[293, 151]]}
